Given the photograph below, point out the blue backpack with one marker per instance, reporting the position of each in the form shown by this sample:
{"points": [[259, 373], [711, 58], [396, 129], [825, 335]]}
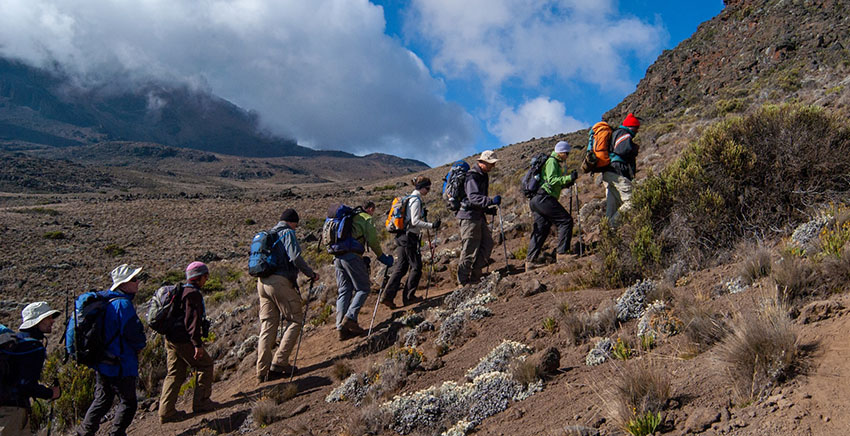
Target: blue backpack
{"points": [[262, 262], [85, 336], [453, 186], [337, 231]]}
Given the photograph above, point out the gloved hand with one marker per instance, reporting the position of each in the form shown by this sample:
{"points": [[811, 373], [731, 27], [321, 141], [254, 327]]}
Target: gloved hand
{"points": [[574, 176], [491, 210], [437, 224], [497, 200], [386, 260]]}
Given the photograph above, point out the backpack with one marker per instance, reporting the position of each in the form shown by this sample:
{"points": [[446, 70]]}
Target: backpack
{"points": [[164, 304], [453, 186], [533, 179], [85, 337], [397, 218], [337, 231], [598, 153], [262, 261], [9, 351]]}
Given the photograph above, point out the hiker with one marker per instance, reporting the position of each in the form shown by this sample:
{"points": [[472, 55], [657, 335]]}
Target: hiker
{"points": [[368, 210], [118, 375], [279, 296], [476, 238], [352, 275], [26, 353], [408, 247], [619, 174], [184, 348], [547, 210]]}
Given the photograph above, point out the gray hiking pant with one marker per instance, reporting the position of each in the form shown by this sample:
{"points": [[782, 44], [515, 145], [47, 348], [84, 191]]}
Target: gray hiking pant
{"points": [[352, 278], [105, 391], [476, 246]]}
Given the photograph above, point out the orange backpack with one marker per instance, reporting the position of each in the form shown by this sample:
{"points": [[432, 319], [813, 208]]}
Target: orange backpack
{"points": [[396, 219], [598, 147]]}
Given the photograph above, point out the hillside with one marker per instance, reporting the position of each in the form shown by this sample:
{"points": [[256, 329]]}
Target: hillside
{"points": [[783, 286]]}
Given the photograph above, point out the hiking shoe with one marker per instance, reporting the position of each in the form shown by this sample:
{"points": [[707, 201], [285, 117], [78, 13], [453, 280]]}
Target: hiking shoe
{"points": [[275, 375], [533, 264], [351, 326], [176, 416], [207, 406], [345, 335], [412, 300]]}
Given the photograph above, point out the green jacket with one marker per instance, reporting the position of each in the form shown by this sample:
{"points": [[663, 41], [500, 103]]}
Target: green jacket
{"points": [[554, 179], [363, 229]]}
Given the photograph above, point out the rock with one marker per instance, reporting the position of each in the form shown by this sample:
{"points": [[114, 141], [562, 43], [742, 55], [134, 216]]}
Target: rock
{"points": [[533, 287], [548, 361], [819, 311], [578, 430], [701, 419]]}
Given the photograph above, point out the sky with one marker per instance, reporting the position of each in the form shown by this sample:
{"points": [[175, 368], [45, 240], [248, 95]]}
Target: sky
{"points": [[433, 80]]}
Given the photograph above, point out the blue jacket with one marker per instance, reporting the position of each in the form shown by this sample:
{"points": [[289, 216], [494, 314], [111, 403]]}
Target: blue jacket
{"points": [[125, 336]]}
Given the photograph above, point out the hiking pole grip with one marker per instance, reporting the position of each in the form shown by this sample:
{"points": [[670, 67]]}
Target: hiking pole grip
{"points": [[301, 332]]}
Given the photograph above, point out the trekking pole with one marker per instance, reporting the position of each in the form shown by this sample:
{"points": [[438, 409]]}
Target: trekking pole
{"points": [[52, 402], [301, 333], [504, 241], [431, 270], [578, 214], [380, 295]]}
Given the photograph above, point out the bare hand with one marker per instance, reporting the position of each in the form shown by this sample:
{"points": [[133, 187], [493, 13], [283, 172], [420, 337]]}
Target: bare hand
{"points": [[56, 392], [200, 353]]}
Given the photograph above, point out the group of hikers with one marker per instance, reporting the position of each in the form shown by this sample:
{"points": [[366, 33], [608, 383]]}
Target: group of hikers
{"points": [[351, 232]]}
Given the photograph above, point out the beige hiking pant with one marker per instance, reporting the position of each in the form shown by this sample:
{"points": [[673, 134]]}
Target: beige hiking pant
{"points": [[619, 198], [179, 357], [278, 297], [14, 421]]}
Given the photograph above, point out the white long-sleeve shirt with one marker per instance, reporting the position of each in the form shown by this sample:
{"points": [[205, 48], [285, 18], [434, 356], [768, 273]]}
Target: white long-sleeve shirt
{"points": [[415, 209]]}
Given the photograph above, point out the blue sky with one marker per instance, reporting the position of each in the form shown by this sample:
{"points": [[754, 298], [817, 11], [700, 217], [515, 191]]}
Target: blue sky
{"points": [[433, 80]]}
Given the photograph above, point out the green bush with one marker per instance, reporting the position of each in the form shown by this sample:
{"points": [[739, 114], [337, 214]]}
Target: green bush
{"points": [[77, 382], [54, 235], [152, 367], [744, 177], [114, 250]]}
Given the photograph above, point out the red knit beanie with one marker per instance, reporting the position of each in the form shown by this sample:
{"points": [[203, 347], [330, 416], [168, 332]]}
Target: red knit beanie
{"points": [[631, 120]]}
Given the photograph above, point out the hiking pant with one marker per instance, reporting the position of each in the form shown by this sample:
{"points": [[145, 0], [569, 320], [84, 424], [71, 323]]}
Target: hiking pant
{"points": [[619, 199], [14, 421], [408, 258], [354, 285], [476, 246], [547, 211], [179, 357], [105, 390], [278, 298]]}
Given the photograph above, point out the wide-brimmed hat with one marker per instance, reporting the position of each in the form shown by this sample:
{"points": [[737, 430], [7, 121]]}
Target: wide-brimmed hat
{"points": [[34, 313], [488, 156], [123, 274]]}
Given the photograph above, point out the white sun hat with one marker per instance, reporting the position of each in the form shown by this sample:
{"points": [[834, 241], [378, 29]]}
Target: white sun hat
{"points": [[123, 274], [35, 312]]}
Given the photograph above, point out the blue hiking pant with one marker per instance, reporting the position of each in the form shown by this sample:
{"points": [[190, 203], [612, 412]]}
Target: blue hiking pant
{"points": [[352, 278]]}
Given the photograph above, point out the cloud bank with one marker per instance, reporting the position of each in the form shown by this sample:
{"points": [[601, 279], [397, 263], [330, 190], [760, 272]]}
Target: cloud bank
{"points": [[320, 71]]}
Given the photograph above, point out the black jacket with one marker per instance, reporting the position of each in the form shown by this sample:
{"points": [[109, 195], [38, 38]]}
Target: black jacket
{"points": [[476, 188], [625, 151], [26, 365]]}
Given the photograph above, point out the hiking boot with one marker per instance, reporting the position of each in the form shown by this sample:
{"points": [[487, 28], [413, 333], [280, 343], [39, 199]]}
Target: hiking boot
{"points": [[345, 335], [351, 326], [275, 375], [176, 416], [412, 300], [533, 264], [208, 405]]}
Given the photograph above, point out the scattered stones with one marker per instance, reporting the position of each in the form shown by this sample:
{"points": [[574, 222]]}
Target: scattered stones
{"points": [[630, 305], [735, 286], [819, 311], [701, 419], [600, 353]]}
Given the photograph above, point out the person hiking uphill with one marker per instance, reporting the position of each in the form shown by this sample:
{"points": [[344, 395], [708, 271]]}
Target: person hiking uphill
{"points": [[118, 375], [475, 235], [25, 362], [184, 348], [408, 247], [279, 296], [352, 274], [547, 210], [368, 210], [619, 174]]}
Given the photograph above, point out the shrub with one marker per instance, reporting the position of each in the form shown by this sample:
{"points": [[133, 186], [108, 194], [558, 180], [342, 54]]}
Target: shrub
{"points": [[77, 382], [152, 367], [756, 265], [642, 425], [835, 271], [549, 324], [341, 370], [795, 280], [281, 393], [265, 412], [760, 351], [639, 390], [622, 350], [703, 328], [525, 372], [745, 176], [249, 222], [584, 325], [521, 253], [54, 235], [323, 316], [38, 211]]}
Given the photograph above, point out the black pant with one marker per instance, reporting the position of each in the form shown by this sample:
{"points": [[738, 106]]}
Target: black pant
{"points": [[105, 390], [547, 211], [407, 257]]}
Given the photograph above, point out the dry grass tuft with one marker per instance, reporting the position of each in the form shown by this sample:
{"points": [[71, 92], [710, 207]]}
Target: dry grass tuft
{"points": [[835, 271], [639, 388], [703, 327], [342, 370], [760, 351], [265, 412], [281, 393], [795, 280], [368, 420], [584, 325], [525, 372], [757, 264]]}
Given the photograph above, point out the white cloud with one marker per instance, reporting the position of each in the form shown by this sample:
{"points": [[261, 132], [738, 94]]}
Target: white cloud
{"points": [[321, 71], [529, 40], [540, 117]]}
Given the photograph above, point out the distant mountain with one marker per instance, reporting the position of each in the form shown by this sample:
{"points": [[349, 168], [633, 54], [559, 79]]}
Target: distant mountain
{"points": [[43, 107]]}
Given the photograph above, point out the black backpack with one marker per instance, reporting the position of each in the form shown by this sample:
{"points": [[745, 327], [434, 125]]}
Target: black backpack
{"points": [[533, 179], [453, 187], [85, 337], [11, 348]]}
